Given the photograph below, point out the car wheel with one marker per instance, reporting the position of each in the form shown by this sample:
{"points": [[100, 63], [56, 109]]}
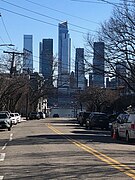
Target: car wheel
{"points": [[127, 137], [9, 129]]}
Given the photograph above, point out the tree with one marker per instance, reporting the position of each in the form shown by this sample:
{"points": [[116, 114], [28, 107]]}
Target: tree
{"points": [[11, 91], [97, 99], [118, 34]]}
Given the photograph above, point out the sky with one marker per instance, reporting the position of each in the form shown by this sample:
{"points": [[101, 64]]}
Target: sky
{"points": [[40, 19]]}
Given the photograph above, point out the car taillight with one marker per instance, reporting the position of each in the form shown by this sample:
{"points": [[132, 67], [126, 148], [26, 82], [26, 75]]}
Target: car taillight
{"points": [[132, 126]]}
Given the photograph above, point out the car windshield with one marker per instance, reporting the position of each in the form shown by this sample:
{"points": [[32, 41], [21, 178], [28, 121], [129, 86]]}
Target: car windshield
{"points": [[3, 116]]}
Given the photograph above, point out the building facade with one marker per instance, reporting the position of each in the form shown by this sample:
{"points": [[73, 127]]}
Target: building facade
{"points": [[28, 54], [79, 68], [64, 54], [46, 60], [98, 64]]}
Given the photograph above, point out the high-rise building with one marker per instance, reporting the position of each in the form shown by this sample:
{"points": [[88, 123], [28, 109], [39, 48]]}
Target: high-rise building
{"points": [[28, 54], [79, 68], [64, 55], [120, 72], [98, 64], [46, 59]]}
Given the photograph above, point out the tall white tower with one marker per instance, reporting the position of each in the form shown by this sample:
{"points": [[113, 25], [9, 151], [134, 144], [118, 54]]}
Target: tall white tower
{"points": [[64, 55]]}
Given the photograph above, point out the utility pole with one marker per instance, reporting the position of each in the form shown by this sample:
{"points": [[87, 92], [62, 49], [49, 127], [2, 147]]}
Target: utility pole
{"points": [[13, 67]]}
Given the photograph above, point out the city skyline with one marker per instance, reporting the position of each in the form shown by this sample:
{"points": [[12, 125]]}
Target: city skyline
{"points": [[43, 21]]}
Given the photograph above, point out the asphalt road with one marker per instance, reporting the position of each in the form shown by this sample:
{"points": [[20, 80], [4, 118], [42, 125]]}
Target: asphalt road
{"points": [[59, 149]]}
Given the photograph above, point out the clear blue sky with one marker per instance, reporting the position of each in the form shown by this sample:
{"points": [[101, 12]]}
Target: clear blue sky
{"points": [[48, 13]]}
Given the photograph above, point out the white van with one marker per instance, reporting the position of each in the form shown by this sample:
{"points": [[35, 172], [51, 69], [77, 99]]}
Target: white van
{"points": [[126, 128]]}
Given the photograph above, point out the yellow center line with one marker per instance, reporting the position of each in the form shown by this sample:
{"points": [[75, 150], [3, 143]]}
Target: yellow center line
{"points": [[114, 163]]}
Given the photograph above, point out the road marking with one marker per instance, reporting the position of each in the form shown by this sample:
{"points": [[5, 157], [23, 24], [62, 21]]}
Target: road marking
{"points": [[2, 156], [11, 137], [4, 147], [114, 163]]}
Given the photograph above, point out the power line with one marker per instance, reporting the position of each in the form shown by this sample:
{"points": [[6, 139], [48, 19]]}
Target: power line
{"points": [[88, 1], [112, 3], [35, 19], [13, 67], [27, 16], [2, 39], [43, 6], [99, 2], [37, 13], [5, 29]]}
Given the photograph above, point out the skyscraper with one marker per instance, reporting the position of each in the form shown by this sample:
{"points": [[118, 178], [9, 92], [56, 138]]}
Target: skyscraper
{"points": [[98, 64], [121, 72], [64, 54], [28, 54], [79, 68], [46, 59]]}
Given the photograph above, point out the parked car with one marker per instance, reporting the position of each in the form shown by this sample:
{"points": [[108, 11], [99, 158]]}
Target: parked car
{"points": [[121, 118], [18, 116], [42, 115], [5, 121], [124, 127], [13, 118], [82, 117], [34, 115], [97, 120], [7, 112], [56, 115]]}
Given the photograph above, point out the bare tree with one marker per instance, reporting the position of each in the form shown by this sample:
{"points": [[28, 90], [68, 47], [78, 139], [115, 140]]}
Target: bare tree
{"points": [[97, 99], [118, 34], [11, 90]]}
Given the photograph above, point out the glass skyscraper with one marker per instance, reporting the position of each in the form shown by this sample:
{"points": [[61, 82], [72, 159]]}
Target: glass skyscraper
{"points": [[79, 68], [64, 54], [46, 59], [98, 64], [28, 54]]}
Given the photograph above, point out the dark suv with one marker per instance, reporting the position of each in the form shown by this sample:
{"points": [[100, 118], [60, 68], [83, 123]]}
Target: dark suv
{"points": [[97, 120], [34, 115]]}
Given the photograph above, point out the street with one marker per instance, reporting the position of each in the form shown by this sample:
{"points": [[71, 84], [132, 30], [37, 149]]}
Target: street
{"points": [[58, 148]]}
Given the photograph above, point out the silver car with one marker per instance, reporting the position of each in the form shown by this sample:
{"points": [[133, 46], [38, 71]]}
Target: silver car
{"points": [[124, 127], [5, 121]]}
